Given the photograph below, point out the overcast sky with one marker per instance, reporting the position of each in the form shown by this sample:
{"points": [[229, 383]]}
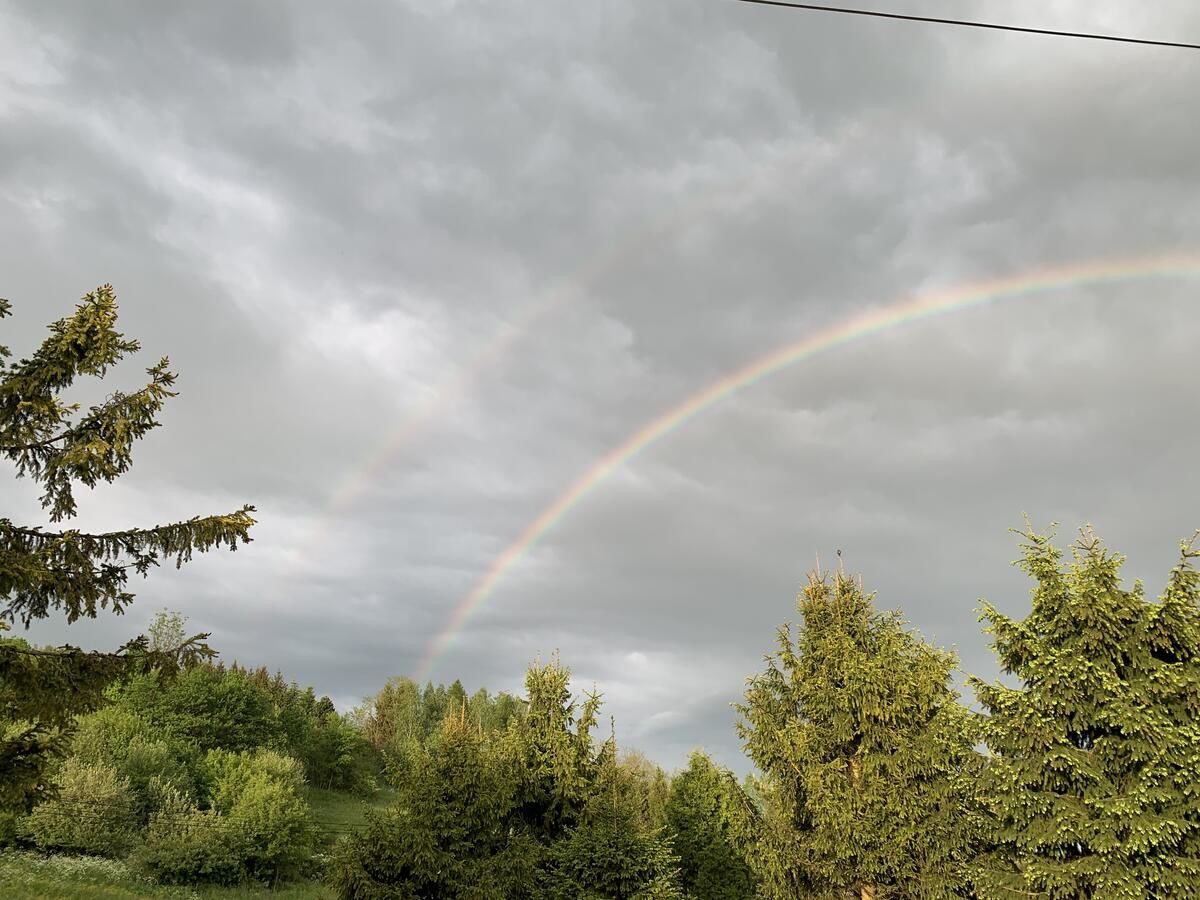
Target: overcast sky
{"points": [[421, 265]]}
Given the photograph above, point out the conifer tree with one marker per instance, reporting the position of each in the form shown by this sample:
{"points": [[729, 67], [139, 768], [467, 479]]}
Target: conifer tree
{"points": [[862, 744], [448, 834], [556, 752], [609, 854], [68, 571], [698, 819], [1094, 767]]}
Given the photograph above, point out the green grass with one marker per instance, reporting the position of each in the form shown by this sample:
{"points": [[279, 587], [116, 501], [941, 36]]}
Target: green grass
{"points": [[338, 813], [33, 876]]}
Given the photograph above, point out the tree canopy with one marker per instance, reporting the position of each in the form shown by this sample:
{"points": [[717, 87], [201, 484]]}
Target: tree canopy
{"points": [[1090, 785], [69, 571], [863, 745]]}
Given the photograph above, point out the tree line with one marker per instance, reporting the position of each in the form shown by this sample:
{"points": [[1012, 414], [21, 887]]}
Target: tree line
{"points": [[1074, 777]]}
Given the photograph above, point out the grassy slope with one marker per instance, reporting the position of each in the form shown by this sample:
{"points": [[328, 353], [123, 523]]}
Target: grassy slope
{"points": [[337, 813]]}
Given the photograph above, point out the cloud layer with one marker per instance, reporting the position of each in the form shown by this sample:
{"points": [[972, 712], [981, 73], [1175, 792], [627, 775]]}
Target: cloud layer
{"points": [[420, 266]]}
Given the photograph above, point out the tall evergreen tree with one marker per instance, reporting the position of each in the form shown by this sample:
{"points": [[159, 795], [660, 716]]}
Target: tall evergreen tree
{"points": [[1094, 769], [556, 753], [698, 819], [862, 743], [456, 700], [72, 572]]}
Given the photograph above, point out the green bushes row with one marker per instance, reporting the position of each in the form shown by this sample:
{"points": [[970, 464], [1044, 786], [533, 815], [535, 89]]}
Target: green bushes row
{"points": [[230, 817]]}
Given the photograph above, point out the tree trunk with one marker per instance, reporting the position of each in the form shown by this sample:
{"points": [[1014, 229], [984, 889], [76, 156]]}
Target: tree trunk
{"points": [[866, 891]]}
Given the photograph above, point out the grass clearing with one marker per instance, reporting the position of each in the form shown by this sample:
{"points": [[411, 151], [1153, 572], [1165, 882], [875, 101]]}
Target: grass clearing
{"points": [[337, 813], [35, 876]]}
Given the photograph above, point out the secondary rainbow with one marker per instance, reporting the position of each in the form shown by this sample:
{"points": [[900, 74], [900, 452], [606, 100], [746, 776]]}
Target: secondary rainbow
{"points": [[861, 325], [631, 244]]}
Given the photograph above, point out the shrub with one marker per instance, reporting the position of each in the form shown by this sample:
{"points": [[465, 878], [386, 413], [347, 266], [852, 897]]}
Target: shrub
{"points": [[183, 844], [93, 812], [225, 775], [598, 862], [274, 828], [258, 826], [119, 738]]}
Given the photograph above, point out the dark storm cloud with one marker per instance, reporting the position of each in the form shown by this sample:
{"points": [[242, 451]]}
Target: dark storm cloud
{"points": [[327, 215]]}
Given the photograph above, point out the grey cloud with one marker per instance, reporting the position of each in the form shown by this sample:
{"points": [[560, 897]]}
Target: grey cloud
{"points": [[422, 266]]}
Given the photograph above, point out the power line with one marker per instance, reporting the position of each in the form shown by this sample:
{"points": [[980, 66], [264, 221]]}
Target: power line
{"points": [[966, 23]]}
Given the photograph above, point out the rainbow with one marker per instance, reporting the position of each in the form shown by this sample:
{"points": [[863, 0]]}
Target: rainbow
{"points": [[861, 325], [635, 242]]}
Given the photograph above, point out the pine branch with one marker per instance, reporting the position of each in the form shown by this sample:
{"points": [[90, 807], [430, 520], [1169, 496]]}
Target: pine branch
{"points": [[80, 573], [114, 405]]}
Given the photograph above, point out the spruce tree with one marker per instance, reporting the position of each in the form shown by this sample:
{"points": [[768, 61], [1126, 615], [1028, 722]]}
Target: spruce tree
{"points": [[555, 752], [703, 835], [1092, 781], [448, 835], [68, 571], [863, 746], [610, 853]]}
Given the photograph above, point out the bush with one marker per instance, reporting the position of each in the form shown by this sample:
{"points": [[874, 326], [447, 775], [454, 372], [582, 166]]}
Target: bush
{"points": [[183, 844], [93, 812], [274, 828], [598, 862], [450, 833], [119, 738], [225, 775], [258, 826]]}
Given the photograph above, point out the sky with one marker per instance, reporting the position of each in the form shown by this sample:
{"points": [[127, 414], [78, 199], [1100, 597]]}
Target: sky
{"points": [[420, 266]]}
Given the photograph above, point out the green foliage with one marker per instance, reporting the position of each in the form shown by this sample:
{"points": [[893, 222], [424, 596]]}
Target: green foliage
{"points": [[864, 748], [642, 789], [606, 861], [183, 845], [93, 812], [536, 810], [1090, 786], [72, 571], [448, 834], [611, 850], [274, 826], [703, 832], [118, 738], [258, 824], [555, 753], [337, 756], [402, 713], [207, 707], [37, 876], [334, 752], [394, 715], [226, 774]]}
